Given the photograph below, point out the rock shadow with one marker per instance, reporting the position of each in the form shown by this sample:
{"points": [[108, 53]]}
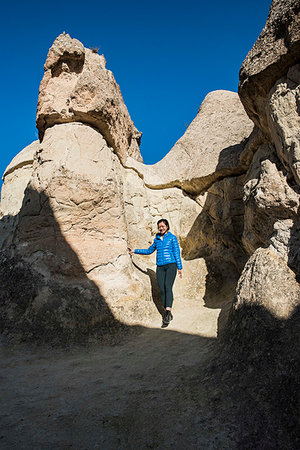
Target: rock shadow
{"points": [[155, 292], [165, 390], [46, 296], [294, 248], [258, 365], [216, 235]]}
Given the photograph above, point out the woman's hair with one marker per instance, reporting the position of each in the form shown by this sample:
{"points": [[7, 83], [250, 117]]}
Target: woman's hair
{"points": [[165, 222]]}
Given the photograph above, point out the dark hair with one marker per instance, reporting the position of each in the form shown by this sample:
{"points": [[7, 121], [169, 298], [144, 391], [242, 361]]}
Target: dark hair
{"points": [[165, 222]]}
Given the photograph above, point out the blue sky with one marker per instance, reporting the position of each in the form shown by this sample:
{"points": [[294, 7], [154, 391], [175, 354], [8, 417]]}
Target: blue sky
{"points": [[165, 55]]}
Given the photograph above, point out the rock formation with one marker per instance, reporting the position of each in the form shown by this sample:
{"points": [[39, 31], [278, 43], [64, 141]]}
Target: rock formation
{"points": [[261, 336], [72, 202], [68, 232], [209, 150], [77, 87], [83, 203], [272, 185], [274, 53]]}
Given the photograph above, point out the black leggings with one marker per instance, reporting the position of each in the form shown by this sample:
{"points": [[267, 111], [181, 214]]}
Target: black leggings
{"points": [[166, 275]]}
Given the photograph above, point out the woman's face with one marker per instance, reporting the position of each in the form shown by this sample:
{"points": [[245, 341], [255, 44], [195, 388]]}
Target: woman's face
{"points": [[162, 228]]}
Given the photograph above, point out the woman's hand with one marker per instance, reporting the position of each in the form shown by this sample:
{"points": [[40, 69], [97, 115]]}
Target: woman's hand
{"points": [[131, 251], [180, 273]]}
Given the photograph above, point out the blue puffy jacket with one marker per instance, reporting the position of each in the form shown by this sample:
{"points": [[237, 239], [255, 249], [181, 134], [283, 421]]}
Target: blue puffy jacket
{"points": [[167, 250]]}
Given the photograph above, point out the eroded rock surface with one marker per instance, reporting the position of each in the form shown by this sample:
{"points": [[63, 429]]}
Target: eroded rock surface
{"points": [[269, 283], [83, 204], [269, 87], [77, 87], [209, 150], [261, 336], [15, 180], [284, 121], [275, 51]]}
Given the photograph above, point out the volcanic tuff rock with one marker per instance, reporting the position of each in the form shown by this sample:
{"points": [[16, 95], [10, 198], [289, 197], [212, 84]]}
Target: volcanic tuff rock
{"points": [[15, 180], [210, 148], [77, 87], [16, 177], [275, 51], [272, 184], [263, 326], [268, 282], [79, 210]]}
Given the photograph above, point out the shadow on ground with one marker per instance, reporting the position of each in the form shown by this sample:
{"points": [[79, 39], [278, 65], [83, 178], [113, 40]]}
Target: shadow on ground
{"points": [[155, 293], [160, 389]]}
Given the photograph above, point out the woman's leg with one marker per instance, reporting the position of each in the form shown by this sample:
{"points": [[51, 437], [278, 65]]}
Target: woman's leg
{"points": [[169, 281], [160, 276]]}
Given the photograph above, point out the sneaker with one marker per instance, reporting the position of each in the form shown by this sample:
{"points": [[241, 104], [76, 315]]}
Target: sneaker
{"points": [[168, 317]]}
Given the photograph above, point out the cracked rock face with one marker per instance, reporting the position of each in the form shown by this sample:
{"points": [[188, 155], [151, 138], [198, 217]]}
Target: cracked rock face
{"points": [[209, 150], [275, 51], [284, 120], [15, 180], [267, 296], [77, 87]]}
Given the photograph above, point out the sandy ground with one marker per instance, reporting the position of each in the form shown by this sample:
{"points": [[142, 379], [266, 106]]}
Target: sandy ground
{"points": [[150, 391]]}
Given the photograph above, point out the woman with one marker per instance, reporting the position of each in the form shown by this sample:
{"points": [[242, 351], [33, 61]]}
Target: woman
{"points": [[167, 262]]}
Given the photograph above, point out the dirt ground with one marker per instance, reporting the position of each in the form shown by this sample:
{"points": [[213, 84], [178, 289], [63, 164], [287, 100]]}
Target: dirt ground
{"points": [[150, 391]]}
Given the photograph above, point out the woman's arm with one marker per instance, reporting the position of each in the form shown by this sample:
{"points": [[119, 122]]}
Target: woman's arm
{"points": [[143, 251]]}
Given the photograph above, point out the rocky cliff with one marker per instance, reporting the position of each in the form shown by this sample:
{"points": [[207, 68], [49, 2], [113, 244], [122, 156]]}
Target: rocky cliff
{"points": [[72, 201]]}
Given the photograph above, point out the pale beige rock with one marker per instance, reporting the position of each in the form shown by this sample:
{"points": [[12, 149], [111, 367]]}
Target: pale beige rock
{"points": [[215, 237], [276, 49], [267, 282], [76, 189], [16, 178], [268, 199], [209, 150], [80, 212], [143, 207], [77, 87], [64, 47], [284, 120], [218, 229]]}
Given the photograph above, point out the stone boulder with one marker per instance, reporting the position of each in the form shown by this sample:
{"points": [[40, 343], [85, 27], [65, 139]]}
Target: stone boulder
{"points": [[268, 283], [264, 318], [15, 180], [284, 121], [275, 51], [77, 87], [209, 150]]}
